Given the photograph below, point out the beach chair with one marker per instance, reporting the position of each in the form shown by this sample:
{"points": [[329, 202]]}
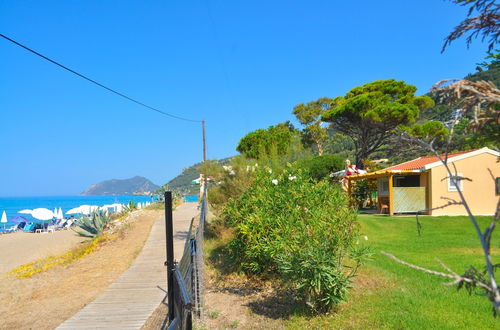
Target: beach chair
{"points": [[68, 224], [61, 224], [51, 228], [29, 227], [11, 229]]}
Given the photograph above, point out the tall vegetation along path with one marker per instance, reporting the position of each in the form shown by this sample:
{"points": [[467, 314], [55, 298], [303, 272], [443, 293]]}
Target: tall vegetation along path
{"points": [[129, 301]]}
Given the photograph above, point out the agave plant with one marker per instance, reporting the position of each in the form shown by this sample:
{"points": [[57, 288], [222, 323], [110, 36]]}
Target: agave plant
{"points": [[129, 207], [93, 225]]}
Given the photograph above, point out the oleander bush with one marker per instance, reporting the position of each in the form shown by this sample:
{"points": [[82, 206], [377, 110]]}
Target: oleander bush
{"points": [[298, 230]]}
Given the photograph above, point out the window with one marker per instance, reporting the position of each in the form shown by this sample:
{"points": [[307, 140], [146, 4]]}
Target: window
{"points": [[407, 181], [383, 187], [497, 185], [457, 178]]}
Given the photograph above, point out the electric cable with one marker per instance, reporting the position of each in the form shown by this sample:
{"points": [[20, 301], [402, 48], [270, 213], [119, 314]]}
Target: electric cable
{"points": [[97, 83]]}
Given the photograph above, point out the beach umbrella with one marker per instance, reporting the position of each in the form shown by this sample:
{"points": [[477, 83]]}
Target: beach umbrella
{"points": [[26, 211], [85, 209], [60, 214], [42, 214], [114, 206], [75, 210], [18, 219], [4, 219], [55, 212]]}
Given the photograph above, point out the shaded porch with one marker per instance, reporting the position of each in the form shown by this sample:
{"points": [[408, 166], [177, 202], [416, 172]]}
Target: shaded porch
{"points": [[398, 191]]}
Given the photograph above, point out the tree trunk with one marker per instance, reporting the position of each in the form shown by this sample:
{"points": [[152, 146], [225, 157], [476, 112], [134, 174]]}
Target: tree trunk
{"points": [[320, 148], [362, 154]]}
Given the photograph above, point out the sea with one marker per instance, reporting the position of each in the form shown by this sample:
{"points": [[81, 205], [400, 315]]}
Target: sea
{"points": [[12, 205]]}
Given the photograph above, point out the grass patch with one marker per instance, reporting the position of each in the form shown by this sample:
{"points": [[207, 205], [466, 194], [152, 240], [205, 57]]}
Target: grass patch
{"points": [[44, 264], [390, 295], [155, 206]]}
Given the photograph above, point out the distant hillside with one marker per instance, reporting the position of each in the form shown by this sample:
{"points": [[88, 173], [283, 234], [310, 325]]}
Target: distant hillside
{"points": [[182, 182], [137, 185], [492, 75]]}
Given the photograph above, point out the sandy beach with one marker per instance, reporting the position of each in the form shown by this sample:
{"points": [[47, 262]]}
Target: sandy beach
{"points": [[45, 300], [20, 248]]}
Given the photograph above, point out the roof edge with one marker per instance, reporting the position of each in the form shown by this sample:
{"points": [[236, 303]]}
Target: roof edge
{"points": [[463, 156], [408, 161]]}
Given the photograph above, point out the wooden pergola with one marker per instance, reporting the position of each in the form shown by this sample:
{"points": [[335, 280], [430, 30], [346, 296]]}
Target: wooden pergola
{"points": [[376, 175]]}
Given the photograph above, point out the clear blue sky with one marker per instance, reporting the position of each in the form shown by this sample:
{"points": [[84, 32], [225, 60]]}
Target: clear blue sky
{"points": [[241, 65]]}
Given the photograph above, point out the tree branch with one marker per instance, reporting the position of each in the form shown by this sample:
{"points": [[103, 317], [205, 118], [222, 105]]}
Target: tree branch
{"points": [[451, 274]]}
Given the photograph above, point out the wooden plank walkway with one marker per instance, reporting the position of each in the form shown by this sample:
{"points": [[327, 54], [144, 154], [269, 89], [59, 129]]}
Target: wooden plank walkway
{"points": [[129, 301]]}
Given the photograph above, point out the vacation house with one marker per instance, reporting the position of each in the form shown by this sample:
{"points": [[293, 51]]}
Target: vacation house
{"points": [[423, 184]]}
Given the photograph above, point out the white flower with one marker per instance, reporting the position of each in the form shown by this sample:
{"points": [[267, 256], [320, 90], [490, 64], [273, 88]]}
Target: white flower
{"points": [[366, 238], [275, 182], [292, 177], [270, 171], [256, 164]]}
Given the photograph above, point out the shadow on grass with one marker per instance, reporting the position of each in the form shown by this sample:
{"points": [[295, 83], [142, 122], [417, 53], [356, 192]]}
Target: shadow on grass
{"points": [[216, 238], [281, 304]]}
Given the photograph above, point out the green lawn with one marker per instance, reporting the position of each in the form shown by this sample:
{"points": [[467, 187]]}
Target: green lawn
{"points": [[390, 295]]}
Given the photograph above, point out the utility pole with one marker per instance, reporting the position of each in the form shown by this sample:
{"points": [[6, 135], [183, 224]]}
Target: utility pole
{"points": [[204, 141], [203, 184]]}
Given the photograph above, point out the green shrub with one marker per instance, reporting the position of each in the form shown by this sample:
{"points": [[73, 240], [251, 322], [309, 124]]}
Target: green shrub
{"points": [[229, 183], [364, 193], [93, 225], [320, 167], [300, 230]]}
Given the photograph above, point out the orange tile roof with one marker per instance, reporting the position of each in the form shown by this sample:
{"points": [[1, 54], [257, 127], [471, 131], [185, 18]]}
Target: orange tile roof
{"points": [[420, 162]]}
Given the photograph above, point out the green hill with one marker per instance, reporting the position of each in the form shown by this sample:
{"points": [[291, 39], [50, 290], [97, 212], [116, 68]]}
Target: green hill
{"points": [[182, 183], [137, 185]]}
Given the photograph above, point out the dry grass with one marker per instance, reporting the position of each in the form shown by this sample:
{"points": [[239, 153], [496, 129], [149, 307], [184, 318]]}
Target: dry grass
{"points": [[46, 299], [44, 264]]}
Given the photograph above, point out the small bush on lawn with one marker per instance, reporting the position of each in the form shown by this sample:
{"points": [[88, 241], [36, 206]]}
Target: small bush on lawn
{"points": [[299, 230]]}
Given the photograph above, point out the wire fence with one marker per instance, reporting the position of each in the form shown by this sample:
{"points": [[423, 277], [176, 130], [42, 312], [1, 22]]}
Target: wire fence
{"points": [[188, 275]]}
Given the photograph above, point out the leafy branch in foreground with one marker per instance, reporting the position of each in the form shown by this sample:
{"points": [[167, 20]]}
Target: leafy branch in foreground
{"points": [[478, 99], [471, 279], [486, 23]]}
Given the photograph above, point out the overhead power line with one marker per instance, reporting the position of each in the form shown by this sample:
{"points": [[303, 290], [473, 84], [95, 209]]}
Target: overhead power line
{"points": [[97, 83]]}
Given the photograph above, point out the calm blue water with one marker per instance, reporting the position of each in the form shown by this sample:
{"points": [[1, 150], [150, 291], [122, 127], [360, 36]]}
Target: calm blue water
{"points": [[190, 198], [12, 205]]}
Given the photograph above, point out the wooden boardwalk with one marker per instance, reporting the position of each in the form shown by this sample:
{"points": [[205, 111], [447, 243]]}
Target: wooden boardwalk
{"points": [[129, 301]]}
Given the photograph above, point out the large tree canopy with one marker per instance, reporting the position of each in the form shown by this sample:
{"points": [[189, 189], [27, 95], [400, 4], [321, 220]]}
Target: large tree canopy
{"points": [[265, 142], [368, 114]]}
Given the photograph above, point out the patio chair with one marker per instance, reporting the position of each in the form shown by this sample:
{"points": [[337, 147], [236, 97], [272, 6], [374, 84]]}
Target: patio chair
{"points": [[383, 204]]}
